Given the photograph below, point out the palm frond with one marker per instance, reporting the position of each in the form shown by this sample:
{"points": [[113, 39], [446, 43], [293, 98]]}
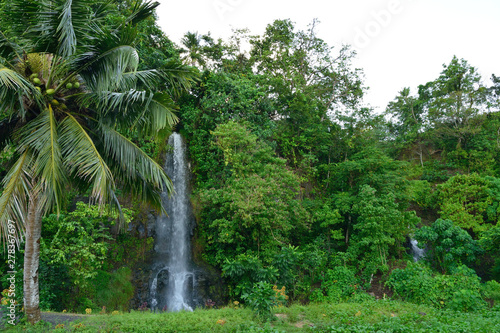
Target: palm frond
{"points": [[102, 70], [146, 111], [19, 15], [55, 27], [161, 114], [138, 172], [13, 201], [131, 104], [66, 31], [16, 93], [78, 24], [173, 76], [41, 136], [8, 50], [10, 79], [146, 79], [38, 22], [83, 159], [142, 11], [178, 77]]}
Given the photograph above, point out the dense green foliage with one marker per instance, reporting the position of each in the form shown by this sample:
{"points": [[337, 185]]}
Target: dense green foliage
{"points": [[285, 167], [69, 89], [298, 186], [281, 162], [369, 316], [82, 264], [459, 291]]}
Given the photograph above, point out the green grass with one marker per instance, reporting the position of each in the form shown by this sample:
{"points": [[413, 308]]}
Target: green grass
{"points": [[371, 316]]}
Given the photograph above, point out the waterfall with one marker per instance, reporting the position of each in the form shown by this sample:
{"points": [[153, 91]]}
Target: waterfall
{"points": [[417, 252], [173, 280]]}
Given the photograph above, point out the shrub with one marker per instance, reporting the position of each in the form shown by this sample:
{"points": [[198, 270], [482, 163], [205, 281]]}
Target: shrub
{"points": [[114, 291], [414, 283], [458, 291], [491, 290], [339, 284], [245, 271], [264, 297], [449, 245], [466, 300]]}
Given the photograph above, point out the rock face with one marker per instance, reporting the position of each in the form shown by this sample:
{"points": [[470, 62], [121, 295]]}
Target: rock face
{"points": [[144, 226], [209, 285], [169, 279]]}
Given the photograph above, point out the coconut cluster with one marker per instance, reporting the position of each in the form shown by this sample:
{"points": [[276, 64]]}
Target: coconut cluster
{"points": [[50, 93]]}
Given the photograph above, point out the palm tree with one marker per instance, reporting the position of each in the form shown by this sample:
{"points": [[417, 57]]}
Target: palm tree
{"points": [[193, 43], [68, 88]]}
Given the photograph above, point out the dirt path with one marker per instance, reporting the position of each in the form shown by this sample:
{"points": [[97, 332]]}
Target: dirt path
{"points": [[54, 318], [61, 318]]}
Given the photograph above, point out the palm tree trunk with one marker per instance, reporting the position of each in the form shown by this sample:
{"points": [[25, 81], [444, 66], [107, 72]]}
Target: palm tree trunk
{"points": [[31, 261]]}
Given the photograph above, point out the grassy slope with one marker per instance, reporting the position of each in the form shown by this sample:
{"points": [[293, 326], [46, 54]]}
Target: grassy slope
{"points": [[372, 316]]}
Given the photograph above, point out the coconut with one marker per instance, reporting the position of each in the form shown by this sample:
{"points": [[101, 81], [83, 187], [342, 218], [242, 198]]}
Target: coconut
{"points": [[39, 89], [76, 85], [34, 75], [54, 102], [36, 80], [69, 86], [50, 91]]}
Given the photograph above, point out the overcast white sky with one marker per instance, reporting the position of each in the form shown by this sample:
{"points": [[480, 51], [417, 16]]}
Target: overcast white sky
{"points": [[400, 43]]}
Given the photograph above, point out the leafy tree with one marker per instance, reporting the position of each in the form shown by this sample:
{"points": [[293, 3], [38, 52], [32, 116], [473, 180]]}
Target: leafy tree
{"points": [[328, 220], [493, 191], [338, 285], [368, 167], [407, 123], [246, 270], [483, 150], [80, 241], [464, 199], [490, 243], [454, 100], [66, 90], [459, 290], [308, 84], [114, 290], [380, 224], [264, 297], [407, 113], [222, 97], [257, 208], [494, 93], [448, 245]]}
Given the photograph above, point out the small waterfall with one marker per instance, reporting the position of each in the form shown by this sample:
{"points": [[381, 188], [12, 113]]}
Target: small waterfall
{"points": [[173, 280], [417, 252]]}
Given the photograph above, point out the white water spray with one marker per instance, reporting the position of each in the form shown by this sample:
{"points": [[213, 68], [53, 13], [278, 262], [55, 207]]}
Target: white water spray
{"points": [[417, 252], [172, 238]]}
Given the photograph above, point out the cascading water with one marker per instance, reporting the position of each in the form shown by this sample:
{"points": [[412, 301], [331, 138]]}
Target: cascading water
{"points": [[417, 252], [173, 281]]}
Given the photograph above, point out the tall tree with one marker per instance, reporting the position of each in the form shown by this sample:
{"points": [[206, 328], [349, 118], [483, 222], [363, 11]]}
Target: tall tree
{"points": [[494, 93], [258, 207], [66, 91], [309, 83], [198, 48], [454, 100], [407, 123]]}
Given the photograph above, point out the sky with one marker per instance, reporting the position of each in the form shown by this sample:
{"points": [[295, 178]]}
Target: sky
{"points": [[399, 43]]}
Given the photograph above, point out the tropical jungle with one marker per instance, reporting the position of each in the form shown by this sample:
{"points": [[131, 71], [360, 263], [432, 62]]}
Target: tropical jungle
{"points": [[308, 210]]}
